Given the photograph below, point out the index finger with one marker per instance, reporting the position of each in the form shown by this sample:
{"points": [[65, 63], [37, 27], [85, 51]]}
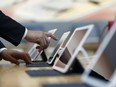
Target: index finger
{"points": [[51, 35]]}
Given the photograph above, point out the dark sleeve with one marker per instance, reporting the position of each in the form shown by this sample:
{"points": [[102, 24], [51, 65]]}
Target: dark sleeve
{"points": [[1, 45], [11, 30]]}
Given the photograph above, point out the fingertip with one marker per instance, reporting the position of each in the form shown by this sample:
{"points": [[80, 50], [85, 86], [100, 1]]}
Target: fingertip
{"points": [[27, 58], [17, 63], [53, 37], [29, 61]]}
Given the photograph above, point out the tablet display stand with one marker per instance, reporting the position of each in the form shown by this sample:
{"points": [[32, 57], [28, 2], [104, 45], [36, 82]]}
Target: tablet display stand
{"points": [[76, 70], [44, 57], [39, 63], [76, 67]]}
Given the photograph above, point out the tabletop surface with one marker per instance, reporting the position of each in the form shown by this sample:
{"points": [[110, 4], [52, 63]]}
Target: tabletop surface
{"points": [[15, 76]]}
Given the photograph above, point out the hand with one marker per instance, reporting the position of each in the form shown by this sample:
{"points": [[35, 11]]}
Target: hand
{"points": [[40, 38], [13, 56]]}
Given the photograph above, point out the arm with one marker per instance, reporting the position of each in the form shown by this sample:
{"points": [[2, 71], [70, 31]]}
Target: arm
{"points": [[1, 48], [14, 32], [11, 30]]}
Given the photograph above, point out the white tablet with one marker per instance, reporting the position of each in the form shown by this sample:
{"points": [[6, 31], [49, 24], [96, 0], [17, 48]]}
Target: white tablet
{"points": [[102, 70], [33, 52], [74, 44], [58, 47]]}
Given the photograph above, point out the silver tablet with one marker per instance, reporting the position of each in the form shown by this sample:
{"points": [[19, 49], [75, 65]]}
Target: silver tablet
{"points": [[74, 44], [58, 47], [102, 70]]}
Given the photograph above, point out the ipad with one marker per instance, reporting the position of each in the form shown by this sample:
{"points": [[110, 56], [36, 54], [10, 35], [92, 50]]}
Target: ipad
{"points": [[75, 42], [58, 47], [104, 64], [33, 52]]}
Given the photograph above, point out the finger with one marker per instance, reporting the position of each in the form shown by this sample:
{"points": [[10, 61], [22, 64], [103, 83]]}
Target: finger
{"points": [[51, 35], [12, 60], [26, 58], [44, 43], [29, 59], [38, 48], [38, 41]]}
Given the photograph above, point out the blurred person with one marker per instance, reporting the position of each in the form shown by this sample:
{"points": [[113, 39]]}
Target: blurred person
{"points": [[14, 32]]}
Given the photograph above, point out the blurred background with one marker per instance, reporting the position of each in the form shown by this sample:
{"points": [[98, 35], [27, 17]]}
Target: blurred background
{"points": [[64, 15]]}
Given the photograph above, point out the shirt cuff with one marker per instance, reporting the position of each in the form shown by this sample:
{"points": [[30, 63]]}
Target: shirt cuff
{"points": [[26, 30], [2, 49]]}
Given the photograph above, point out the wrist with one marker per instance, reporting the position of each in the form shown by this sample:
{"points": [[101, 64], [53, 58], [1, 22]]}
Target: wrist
{"points": [[2, 49], [30, 36], [25, 34]]}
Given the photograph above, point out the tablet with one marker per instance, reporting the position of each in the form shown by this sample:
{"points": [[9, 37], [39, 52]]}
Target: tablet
{"points": [[58, 47], [104, 64], [72, 47]]}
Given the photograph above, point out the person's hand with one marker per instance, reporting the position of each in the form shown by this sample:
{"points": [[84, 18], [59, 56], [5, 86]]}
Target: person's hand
{"points": [[13, 56], [40, 38]]}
